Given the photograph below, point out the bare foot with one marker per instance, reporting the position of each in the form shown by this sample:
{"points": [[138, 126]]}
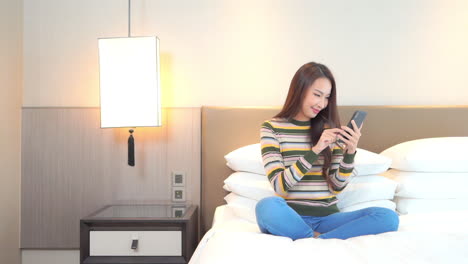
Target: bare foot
{"points": [[316, 234]]}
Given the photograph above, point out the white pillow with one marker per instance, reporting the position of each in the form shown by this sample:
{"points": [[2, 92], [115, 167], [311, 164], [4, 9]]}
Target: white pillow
{"points": [[249, 159], [360, 189], [250, 185], [365, 189], [243, 207], [378, 203], [446, 154], [415, 206], [370, 163], [438, 185]]}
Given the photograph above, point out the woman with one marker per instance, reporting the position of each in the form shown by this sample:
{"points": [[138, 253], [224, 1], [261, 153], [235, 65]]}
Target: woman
{"points": [[307, 169]]}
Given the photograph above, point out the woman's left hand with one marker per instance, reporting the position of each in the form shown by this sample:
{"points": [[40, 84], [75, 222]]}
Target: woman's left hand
{"points": [[353, 137]]}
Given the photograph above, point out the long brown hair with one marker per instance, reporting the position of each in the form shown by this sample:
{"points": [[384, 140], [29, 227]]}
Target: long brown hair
{"points": [[327, 118]]}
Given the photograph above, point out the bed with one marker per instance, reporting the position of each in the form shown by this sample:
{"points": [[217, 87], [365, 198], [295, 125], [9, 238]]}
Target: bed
{"points": [[422, 238]]}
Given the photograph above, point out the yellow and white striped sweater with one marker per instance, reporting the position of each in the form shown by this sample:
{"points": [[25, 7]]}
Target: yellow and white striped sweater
{"points": [[295, 171]]}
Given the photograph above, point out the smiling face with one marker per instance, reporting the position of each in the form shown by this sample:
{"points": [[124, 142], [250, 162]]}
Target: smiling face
{"points": [[315, 99]]}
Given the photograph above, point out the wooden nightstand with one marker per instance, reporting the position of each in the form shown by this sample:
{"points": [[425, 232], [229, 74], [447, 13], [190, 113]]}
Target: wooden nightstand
{"points": [[139, 234]]}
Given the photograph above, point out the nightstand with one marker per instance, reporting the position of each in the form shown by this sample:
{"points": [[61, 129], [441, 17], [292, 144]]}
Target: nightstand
{"points": [[139, 234]]}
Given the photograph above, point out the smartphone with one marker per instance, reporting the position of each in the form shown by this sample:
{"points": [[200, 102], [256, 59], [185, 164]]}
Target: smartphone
{"points": [[358, 117]]}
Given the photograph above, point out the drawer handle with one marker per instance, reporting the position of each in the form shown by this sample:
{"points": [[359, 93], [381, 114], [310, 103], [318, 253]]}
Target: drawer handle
{"points": [[134, 243]]}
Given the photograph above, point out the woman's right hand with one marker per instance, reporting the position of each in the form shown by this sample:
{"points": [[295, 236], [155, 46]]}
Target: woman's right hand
{"points": [[328, 137]]}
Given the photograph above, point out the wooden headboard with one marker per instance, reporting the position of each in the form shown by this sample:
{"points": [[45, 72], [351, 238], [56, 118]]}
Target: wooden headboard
{"points": [[225, 129]]}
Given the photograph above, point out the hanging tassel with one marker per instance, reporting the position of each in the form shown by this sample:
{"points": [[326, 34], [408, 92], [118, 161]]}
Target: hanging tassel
{"points": [[131, 149]]}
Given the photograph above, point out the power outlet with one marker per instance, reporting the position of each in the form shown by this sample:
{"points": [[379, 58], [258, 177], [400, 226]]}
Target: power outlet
{"points": [[178, 211], [178, 194], [178, 178]]}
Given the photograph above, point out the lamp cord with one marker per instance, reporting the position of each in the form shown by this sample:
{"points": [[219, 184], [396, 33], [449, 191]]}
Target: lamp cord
{"points": [[129, 18]]}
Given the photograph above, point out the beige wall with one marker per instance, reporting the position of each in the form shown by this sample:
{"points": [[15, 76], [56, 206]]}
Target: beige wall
{"points": [[244, 53], [10, 128]]}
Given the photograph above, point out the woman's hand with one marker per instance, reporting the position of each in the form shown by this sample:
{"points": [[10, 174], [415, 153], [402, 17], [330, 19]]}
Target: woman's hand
{"points": [[328, 136], [353, 137]]}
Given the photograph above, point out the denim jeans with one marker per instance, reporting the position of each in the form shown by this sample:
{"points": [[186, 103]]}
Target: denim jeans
{"points": [[274, 216]]}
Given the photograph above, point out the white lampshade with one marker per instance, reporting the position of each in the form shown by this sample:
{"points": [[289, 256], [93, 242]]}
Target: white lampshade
{"points": [[129, 82]]}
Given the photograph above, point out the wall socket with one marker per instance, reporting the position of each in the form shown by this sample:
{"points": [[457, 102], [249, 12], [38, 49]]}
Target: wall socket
{"points": [[178, 178], [178, 211], [178, 194]]}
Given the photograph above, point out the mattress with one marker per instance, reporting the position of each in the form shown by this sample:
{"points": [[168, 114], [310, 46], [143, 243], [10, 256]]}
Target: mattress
{"points": [[421, 238]]}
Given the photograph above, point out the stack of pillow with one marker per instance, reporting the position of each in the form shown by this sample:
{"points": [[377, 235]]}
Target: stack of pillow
{"points": [[432, 174], [249, 183]]}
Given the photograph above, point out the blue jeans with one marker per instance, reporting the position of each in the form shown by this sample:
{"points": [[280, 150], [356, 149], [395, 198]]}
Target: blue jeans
{"points": [[274, 216]]}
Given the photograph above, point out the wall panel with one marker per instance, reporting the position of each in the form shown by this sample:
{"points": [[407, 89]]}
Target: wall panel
{"points": [[71, 167]]}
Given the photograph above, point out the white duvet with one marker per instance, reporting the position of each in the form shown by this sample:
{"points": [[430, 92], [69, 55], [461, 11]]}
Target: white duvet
{"points": [[422, 238]]}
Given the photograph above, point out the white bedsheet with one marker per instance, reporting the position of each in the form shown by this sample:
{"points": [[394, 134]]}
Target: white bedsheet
{"points": [[422, 238]]}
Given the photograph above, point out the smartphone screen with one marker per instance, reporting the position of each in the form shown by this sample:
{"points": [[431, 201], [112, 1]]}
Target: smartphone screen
{"points": [[358, 117]]}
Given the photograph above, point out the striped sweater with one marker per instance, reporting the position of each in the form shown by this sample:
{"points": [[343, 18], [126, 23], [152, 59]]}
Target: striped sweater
{"points": [[295, 171]]}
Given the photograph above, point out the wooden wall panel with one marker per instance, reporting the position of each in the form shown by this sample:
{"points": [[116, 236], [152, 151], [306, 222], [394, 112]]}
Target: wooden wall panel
{"points": [[71, 167], [181, 153]]}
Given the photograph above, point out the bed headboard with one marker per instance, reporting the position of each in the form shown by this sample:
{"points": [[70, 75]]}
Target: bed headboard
{"points": [[225, 129]]}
